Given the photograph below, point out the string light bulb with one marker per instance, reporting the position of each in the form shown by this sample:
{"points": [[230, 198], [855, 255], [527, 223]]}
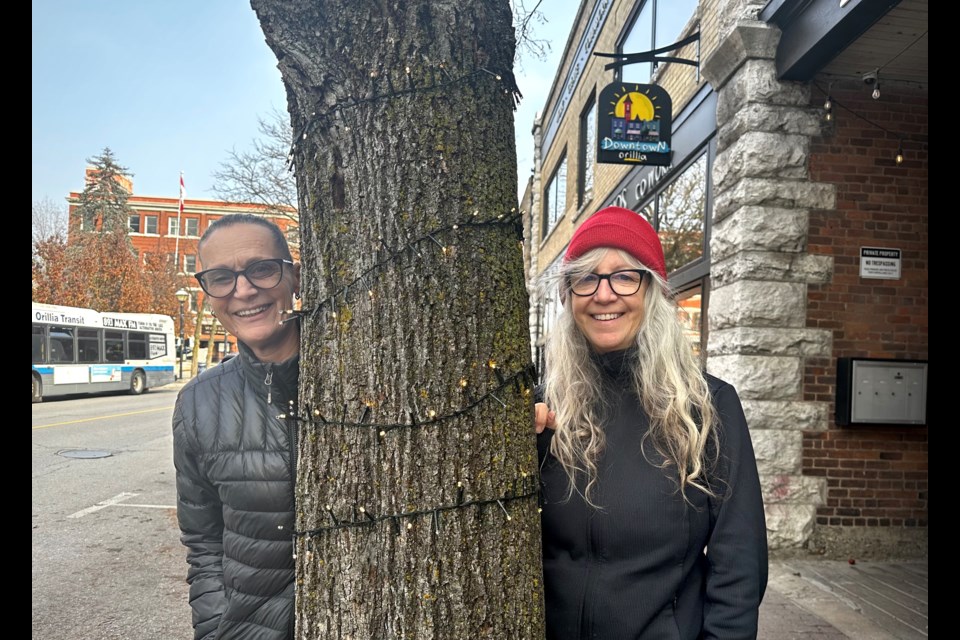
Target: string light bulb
{"points": [[899, 157], [876, 90]]}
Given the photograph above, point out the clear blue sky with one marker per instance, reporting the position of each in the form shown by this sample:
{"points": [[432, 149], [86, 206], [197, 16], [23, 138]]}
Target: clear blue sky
{"points": [[172, 86]]}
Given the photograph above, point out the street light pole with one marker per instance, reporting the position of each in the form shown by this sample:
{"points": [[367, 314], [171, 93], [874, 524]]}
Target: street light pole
{"points": [[182, 296]]}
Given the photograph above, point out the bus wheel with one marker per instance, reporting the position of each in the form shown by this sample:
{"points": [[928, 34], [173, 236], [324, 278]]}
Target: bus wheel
{"points": [[37, 393], [138, 383]]}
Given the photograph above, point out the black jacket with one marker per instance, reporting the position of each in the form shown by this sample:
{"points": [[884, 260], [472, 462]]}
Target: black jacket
{"points": [[648, 565], [235, 502]]}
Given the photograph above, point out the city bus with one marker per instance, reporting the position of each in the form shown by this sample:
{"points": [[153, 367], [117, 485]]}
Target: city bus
{"points": [[79, 350]]}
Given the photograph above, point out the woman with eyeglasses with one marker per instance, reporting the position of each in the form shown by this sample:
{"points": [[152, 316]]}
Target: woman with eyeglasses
{"points": [[653, 523], [234, 456]]}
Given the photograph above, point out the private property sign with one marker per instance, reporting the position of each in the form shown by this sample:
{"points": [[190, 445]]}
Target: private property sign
{"points": [[877, 262]]}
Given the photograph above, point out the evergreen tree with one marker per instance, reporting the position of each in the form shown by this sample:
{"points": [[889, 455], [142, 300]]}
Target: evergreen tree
{"points": [[103, 203]]}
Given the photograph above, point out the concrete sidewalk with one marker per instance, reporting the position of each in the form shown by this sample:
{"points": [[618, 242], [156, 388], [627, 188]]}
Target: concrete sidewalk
{"points": [[821, 599]]}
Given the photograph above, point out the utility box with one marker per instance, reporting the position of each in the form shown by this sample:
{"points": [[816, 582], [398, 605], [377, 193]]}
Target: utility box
{"points": [[878, 391]]}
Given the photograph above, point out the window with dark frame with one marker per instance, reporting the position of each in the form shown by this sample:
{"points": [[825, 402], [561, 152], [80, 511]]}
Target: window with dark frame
{"points": [[88, 345], [681, 207], [678, 212], [555, 197], [658, 23], [690, 313], [588, 152], [137, 343], [39, 345], [113, 346], [62, 344]]}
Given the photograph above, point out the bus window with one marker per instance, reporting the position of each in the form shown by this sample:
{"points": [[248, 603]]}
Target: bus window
{"points": [[137, 343], [89, 345], [39, 355], [113, 342], [61, 344]]}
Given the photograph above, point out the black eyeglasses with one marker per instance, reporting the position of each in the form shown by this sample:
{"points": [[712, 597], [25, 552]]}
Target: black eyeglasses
{"points": [[263, 274], [624, 283]]}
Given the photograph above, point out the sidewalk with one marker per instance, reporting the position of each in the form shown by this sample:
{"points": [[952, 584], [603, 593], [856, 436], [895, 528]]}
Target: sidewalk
{"points": [[816, 599]]}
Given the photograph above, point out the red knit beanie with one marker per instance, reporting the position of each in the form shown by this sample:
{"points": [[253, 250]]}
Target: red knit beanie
{"points": [[621, 229]]}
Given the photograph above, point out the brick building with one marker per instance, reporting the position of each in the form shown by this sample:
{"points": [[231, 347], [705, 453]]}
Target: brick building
{"points": [[153, 229], [764, 212]]}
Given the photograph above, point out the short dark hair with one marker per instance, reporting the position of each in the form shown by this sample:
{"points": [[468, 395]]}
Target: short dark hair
{"points": [[249, 218]]}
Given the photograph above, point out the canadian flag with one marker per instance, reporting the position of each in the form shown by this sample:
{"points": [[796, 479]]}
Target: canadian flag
{"points": [[183, 193]]}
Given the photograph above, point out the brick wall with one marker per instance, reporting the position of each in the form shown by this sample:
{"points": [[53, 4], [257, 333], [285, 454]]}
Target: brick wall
{"points": [[876, 475]]}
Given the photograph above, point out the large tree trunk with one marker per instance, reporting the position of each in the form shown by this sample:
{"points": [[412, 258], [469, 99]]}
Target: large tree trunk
{"points": [[416, 436]]}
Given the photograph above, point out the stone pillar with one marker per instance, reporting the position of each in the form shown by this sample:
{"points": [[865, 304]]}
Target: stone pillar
{"points": [[758, 339]]}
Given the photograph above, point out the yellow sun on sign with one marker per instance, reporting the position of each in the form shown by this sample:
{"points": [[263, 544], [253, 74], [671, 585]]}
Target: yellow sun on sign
{"points": [[641, 107]]}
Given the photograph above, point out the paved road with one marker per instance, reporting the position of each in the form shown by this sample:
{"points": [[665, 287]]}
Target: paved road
{"points": [[107, 559]]}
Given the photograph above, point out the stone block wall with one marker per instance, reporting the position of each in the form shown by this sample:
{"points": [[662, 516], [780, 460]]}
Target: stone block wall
{"points": [[761, 271]]}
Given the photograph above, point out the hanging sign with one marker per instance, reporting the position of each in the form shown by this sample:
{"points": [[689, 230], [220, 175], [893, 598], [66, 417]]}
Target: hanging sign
{"points": [[633, 124]]}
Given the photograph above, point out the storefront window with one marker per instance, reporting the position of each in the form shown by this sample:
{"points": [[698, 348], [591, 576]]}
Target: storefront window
{"points": [[689, 310], [681, 207]]}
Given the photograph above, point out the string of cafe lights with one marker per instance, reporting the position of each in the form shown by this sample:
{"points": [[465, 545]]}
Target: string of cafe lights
{"points": [[395, 254], [828, 104], [876, 72], [522, 381], [481, 72], [526, 487]]}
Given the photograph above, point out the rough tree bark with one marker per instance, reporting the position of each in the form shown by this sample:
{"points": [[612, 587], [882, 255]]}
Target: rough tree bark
{"points": [[417, 478]]}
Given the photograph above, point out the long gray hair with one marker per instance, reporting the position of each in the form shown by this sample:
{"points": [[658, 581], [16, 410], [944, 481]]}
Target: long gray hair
{"points": [[666, 377]]}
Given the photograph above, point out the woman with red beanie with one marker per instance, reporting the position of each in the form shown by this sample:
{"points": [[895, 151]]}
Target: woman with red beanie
{"points": [[653, 522]]}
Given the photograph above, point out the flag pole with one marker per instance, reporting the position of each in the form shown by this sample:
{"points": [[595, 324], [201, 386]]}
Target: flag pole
{"points": [[176, 251]]}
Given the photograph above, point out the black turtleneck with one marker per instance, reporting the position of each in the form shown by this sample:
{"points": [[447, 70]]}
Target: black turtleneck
{"points": [[634, 565]]}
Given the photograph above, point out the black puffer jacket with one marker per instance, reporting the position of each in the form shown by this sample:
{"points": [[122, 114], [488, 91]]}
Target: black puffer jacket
{"points": [[235, 503], [648, 564]]}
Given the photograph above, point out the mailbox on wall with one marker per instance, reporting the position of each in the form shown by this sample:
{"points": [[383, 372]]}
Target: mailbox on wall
{"points": [[878, 391]]}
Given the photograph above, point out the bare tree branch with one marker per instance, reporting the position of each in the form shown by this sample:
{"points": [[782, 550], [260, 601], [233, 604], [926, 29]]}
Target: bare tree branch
{"points": [[49, 221], [527, 44], [261, 175]]}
